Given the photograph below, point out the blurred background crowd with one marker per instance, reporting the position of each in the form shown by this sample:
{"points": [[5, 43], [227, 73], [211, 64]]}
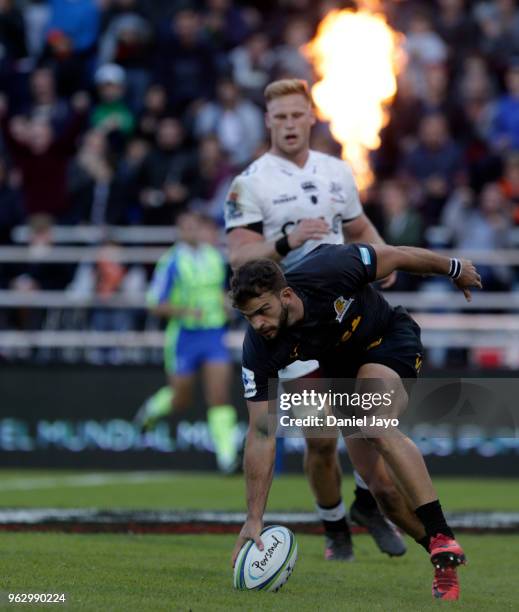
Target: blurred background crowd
{"points": [[128, 112]]}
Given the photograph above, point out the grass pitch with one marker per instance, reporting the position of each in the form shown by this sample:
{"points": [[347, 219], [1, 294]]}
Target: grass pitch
{"points": [[117, 572], [105, 572], [199, 491]]}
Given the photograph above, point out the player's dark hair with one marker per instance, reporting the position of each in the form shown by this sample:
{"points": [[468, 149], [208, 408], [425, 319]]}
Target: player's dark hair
{"points": [[254, 278]]}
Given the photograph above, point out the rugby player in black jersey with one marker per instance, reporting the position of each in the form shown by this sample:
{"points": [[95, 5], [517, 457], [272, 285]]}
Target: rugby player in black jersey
{"points": [[298, 316]]}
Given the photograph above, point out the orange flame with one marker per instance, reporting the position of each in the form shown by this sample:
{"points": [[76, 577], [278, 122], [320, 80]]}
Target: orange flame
{"points": [[357, 57]]}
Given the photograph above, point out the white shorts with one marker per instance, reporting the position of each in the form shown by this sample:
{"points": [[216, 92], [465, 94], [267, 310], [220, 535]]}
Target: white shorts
{"points": [[298, 369]]}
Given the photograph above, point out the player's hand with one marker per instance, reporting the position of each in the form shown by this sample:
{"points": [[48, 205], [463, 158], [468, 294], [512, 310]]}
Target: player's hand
{"points": [[389, 281], [251, 530], [308, 229], [469, 277]]}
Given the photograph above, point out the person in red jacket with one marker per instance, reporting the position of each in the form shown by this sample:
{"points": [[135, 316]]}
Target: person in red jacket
{"points": [[43, 157]]}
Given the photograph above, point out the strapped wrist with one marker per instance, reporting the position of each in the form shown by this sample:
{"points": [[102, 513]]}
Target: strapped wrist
{"points": [[282, 246], [455, 268]]}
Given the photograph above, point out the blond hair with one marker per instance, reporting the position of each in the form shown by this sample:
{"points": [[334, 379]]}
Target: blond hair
{"points": [[287, 87]]}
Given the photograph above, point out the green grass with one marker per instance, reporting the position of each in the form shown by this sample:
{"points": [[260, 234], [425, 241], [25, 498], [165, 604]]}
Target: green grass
{"points": [[210, 491], [120, 572], [106, 572]]}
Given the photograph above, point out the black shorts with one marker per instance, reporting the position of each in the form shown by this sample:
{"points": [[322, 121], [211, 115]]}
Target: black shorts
{"points": [[400, 349]]}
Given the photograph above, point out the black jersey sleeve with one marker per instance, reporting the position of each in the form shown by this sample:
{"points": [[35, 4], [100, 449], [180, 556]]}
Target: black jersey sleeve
{"points": [[358, 264], [256, 371], [348, 268]]}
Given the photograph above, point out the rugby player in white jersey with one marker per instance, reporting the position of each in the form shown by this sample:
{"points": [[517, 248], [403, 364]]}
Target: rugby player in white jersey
{"points": [[282, 206]]}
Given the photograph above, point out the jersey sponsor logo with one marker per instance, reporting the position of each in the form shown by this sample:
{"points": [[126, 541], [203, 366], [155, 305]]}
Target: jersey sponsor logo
{"points": [[341, 306], [309, 186], [365, 256], [284, 199], [249, 382], [286, 228], [232, 207]]}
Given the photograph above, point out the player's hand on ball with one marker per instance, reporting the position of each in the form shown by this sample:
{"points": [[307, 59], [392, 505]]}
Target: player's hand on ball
{"points": [[469, 277], [251, 530], [308, 229]]}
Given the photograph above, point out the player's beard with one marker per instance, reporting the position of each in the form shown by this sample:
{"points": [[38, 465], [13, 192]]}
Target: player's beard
{"points": [[283, 322], [273, 332]]}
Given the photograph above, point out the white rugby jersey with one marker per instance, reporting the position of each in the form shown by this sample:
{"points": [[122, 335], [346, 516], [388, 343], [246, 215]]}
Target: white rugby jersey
{"points": [[278, 194]]}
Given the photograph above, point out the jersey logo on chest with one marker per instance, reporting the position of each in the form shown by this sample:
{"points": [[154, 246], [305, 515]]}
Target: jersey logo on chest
{"points": [[341, 306], [284, 199]]}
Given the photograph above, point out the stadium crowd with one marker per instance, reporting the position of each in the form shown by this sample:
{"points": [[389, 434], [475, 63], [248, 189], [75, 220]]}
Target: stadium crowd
{"points": [[128, 112]]}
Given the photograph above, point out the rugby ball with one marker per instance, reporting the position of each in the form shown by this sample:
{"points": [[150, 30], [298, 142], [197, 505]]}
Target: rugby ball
{"points": [[270, 568]]}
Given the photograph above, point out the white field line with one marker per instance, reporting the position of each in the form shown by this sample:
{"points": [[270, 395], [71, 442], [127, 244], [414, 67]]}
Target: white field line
{"points": [[82, 480]]}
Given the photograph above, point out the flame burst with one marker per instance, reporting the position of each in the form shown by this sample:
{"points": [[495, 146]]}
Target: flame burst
{"points": [[357, 57]]}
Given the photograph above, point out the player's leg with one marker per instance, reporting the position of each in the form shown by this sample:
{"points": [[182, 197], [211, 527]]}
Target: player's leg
{"points": [[406, 462], [221, 414], [369, 463], [323, 470]]}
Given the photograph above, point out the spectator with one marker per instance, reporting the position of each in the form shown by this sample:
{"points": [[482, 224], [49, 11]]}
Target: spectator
{"points": [[43, 158], [71, 40], [215, 174], [45, 103], [252, 65], [505, 128], [111, 113], [11, 211], [155, 108], [186, 64], [36, 16], [403, 224], [237, 123], [12, 33], [435, 165], [457, 29], [510, 183], [289, 61], [12, 46], [424, 48], [127, 41], [90, 181], [126, 182], [499, 23], [485, 226], [38, 275], [224, 23], [165, 175], [105, 280]]}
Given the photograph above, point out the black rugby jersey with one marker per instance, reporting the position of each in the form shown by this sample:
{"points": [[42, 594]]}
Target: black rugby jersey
{"points": [[343, 313]]}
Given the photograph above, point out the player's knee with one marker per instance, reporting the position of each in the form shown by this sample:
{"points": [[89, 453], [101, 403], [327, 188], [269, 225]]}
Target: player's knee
{"points": [[320, 450], [382, 444]]}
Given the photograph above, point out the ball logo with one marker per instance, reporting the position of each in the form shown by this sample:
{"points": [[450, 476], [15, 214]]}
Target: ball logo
{"points": [[258, 568]]}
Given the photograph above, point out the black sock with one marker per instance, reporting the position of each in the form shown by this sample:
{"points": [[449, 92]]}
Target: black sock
{"points": [[424, 542], [333, 518], [364, 500], [432, 518]]}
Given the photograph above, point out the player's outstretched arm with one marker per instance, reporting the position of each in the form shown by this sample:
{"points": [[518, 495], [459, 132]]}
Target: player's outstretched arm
{"points": [[422, 261], [260, 450]]}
